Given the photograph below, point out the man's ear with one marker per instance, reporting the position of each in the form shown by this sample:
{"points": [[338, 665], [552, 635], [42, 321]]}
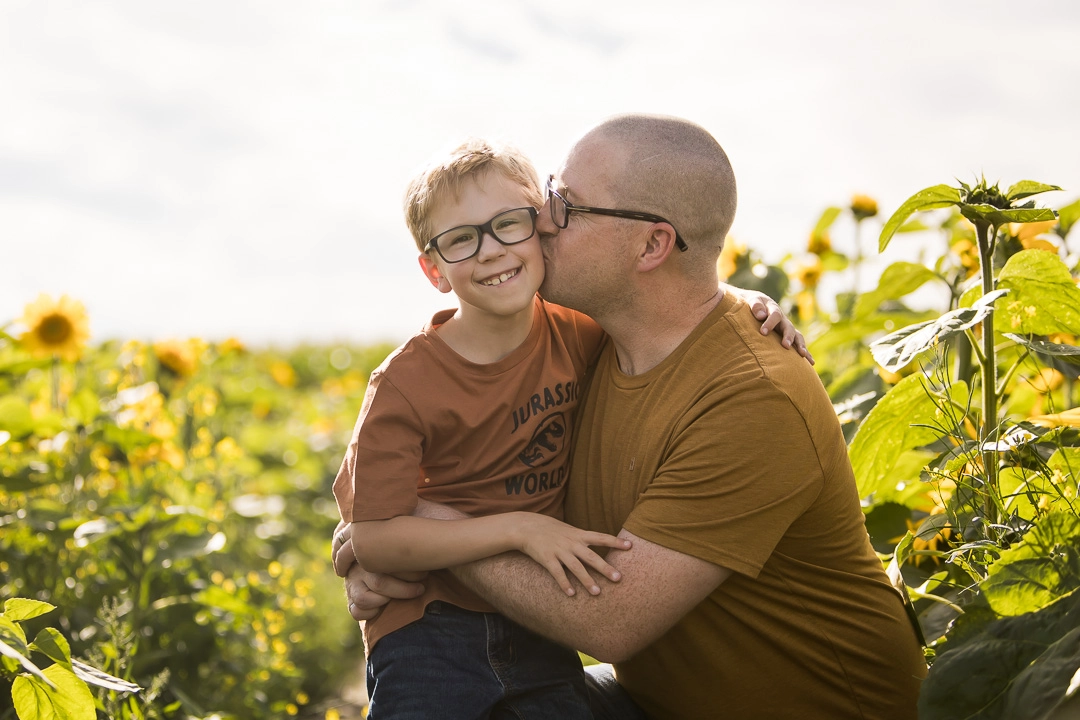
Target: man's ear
{"points": [[433, 274], [657, 248]]}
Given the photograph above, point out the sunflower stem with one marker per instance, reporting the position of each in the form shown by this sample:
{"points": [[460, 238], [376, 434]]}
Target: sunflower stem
{"points": [[54, 382], [988, 361]]}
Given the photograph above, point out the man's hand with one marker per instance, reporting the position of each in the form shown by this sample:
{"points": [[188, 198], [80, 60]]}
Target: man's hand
{"points": [[368, 592], [772, 319]]}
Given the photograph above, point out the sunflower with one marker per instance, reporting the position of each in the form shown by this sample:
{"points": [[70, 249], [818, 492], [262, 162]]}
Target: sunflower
{"points": [[178, 356], [58, 328], [863, 206]]}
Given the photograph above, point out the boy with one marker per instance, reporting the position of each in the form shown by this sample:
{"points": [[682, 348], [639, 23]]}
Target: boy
{"points": [[475, 412]]}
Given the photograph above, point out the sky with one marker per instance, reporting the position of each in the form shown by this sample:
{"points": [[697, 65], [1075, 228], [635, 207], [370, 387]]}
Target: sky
{"points": [[219, 168]]}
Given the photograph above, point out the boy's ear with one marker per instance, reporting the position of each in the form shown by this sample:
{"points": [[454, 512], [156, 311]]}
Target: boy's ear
{"points": [[433, 274], [658, 246]]}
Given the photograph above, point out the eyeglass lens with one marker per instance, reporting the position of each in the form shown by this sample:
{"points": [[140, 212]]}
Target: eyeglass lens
{"points": [[509, 228], [559, 212]]}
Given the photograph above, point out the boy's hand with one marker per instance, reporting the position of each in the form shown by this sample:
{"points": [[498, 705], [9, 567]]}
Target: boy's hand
{"points": [[773, 319], [365, 591], [559, 547]]}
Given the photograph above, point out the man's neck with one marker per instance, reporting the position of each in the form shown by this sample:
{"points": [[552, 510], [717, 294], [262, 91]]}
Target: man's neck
{"points": [[645, 337]]}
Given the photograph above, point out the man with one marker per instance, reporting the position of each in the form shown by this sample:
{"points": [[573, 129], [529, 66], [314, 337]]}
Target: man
{"points": [[751, 589]]}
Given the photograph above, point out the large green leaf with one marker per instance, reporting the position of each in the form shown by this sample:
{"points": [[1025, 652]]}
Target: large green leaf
{"points": [[1044, 298], [1027, 188], [897, 349], [71, 700], [989, 669], [985, 213], [896, 281], [25, 608], [938, 196], [1037, 571], [889, 431]]}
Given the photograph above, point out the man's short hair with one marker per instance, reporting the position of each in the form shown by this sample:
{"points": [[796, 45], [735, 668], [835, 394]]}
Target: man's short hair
{"points": [[442, 179], [676, 169]]}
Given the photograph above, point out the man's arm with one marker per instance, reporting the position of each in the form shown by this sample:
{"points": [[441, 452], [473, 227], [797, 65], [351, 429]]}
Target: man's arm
{"points": [[658, 587], [407, 543]]}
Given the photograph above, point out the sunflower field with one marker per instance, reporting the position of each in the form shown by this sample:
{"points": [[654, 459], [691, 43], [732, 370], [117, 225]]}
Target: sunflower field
{"points": [[165, 508]]}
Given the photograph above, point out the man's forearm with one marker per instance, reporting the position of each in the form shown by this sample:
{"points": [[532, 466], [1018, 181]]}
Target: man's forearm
{"points": [[523, 591]]}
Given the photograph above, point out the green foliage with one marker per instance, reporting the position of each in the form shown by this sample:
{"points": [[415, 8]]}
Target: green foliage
{"points": [[173, 502]]}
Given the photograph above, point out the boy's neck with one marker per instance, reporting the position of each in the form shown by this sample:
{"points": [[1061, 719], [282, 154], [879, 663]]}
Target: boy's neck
{"points": [[484, 338]]}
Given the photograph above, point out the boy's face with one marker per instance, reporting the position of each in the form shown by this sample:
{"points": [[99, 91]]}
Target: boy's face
{"points": [[500, 280]]}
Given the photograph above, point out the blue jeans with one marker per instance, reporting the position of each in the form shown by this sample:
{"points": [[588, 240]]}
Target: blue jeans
{"points": [[455, 664]]}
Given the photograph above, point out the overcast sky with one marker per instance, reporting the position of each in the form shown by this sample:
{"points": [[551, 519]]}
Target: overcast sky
{"points": [[223, 168]]}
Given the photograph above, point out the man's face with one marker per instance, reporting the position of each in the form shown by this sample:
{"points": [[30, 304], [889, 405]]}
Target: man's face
{"points": [[585, 261], [499, 280]]}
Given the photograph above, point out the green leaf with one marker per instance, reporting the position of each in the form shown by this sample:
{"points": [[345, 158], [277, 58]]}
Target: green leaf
{"points": [[897, 349], [71, 700], [21, 658], [94, 530], [896, 281], [50, 643], [1070, 353], [25, 609], [1067, 217], [215, 597], [15, 416], [1027, 188], [85, 406], [888, 431], [1044, 298], [825, 221], [984, 213], [13, 634], [1037, 571], [938, 196], [1015, 667]]}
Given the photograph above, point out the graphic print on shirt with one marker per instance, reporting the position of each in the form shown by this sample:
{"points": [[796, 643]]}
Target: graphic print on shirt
{"points": [[546, 442], [544, 453]]}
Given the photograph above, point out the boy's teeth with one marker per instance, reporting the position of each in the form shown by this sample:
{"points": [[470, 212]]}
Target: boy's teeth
{"points": [[500, 279]]}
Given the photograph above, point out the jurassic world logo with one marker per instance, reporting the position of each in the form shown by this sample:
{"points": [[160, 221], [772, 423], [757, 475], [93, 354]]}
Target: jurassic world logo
{"points": [[546, 442]]}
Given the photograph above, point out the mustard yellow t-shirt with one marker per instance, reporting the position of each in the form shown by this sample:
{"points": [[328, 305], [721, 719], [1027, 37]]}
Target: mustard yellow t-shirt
{"points": [[735, 456], [481, 438]]}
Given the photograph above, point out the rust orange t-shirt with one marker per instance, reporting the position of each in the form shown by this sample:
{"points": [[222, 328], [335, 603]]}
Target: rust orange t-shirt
{"points": [[481, 438], [735, 456]]}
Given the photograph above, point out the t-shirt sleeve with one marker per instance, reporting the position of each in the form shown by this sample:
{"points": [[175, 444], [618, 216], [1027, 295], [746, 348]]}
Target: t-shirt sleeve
{"points": [[733, 481], [378, 476], [591, 337]]}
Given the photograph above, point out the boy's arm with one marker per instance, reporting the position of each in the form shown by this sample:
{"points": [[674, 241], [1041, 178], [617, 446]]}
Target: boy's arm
{"points": [[658, 586], [408, 543]]}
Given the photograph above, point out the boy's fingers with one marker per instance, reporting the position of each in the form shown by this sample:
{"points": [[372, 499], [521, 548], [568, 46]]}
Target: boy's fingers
{"points": [[603, 567], [573, 564], [555, 568]]}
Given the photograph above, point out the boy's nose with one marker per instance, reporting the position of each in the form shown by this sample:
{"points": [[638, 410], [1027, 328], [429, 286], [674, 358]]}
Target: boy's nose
{"points": [[489, 247]]}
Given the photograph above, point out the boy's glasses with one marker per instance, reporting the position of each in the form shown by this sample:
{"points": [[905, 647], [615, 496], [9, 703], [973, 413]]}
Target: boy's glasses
{"points": [[561, 209], [461, 243]]}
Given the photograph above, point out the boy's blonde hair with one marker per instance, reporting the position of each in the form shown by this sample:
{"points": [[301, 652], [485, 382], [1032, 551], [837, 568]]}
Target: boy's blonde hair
{"points": [[442, 180]]}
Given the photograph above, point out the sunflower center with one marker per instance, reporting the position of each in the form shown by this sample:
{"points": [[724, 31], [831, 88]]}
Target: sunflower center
{"points": [[55, 329]]}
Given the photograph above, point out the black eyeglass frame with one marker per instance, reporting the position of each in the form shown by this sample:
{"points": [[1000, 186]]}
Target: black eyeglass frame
{"points": [[625, 214], [485, 229]]}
